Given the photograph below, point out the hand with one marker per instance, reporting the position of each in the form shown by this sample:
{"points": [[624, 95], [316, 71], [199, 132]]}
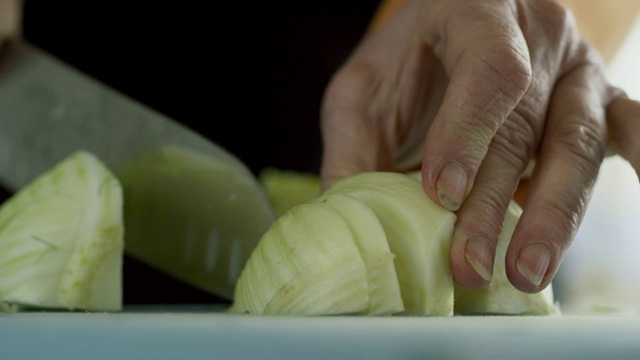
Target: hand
{"points": [[471, 92]]}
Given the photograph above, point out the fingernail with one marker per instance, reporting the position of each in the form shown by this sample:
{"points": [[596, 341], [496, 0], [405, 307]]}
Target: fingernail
{"points": [[478, 253], [452, 186], [533, 262]]}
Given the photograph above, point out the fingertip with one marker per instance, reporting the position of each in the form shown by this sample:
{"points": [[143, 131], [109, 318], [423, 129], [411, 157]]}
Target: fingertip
{"points": [[472, 261], [533, 266], [533, 262], [452, 186]]}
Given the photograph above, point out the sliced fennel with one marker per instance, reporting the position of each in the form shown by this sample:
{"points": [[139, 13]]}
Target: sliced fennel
{"points": [[402, 238], [61, 239], [419, 233], [369, 237], [306, 264], [383, 221], [500, 297], [285, 189]]}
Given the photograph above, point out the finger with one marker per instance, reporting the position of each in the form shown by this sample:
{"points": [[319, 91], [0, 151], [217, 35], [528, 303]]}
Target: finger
{"points": [[485, 53], [481, 216], [623, 117], [569, 158]]}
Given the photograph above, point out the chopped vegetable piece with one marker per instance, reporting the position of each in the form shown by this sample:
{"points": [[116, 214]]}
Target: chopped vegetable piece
{"points": [[419, 233], [61, 239], [306, 264], [285, 189], [369, 237]]}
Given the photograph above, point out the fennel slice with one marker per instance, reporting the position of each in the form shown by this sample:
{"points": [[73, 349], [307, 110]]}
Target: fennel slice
{"points": [[369, 237], [305, 264], [61, 239], [286, 189], [500, 296], [419, 233]]}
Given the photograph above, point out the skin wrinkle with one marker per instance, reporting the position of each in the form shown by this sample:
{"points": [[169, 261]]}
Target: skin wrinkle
{"points": [[485, 19], [586, 140], [513, 144], [506, 79], [512, 95], [567, 222]]}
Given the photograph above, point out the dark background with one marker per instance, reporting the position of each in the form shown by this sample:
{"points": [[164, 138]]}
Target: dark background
{"points": [[249, 75]]}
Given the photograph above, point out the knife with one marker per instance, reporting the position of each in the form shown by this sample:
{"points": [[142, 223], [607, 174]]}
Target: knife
{"points": [[191, 208]]}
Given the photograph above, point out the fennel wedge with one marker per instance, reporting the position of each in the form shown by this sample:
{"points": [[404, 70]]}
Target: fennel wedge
{"points": [[368, 234], [419, 233], [306, 264], [61, 239]]}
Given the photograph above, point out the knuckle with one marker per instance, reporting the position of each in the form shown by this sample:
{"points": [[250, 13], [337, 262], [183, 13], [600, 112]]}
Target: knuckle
{"points": [[508, 57], [486, 214], [508, 68], [556, 14], [582, 135], [555, 19], [507, 85], [550, 27], [561, 217], [517, 139]]}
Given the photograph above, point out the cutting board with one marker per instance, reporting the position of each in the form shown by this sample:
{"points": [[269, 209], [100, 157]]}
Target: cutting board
{"points": [[213, 334]]}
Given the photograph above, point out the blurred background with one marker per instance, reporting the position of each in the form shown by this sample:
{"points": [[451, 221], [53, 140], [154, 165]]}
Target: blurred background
{"points": [[602, 270]]}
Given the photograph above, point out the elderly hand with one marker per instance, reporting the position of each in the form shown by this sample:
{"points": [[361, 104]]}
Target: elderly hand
{"points": [[471, 92]]}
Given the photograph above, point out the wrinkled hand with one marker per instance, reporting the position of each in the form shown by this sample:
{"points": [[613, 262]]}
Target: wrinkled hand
{"points": [[471, 91]]}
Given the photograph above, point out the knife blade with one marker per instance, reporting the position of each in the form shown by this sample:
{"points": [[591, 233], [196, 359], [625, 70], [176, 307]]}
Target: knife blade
{"points": [[192, 209]]}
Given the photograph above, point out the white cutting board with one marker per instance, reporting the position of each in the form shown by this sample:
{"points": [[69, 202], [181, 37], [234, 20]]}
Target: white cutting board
{"points": [[215, 335]]}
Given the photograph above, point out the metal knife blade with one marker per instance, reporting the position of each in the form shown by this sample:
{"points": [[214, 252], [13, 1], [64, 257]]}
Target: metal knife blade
{"points": [[192, 209]]}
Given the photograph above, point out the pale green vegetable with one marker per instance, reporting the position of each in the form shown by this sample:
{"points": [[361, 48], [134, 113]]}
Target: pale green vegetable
{"points": [[419, 233], [416, 231], [285, 189], [61, 239], [500, 297], [368, 234], [306, 264]]}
